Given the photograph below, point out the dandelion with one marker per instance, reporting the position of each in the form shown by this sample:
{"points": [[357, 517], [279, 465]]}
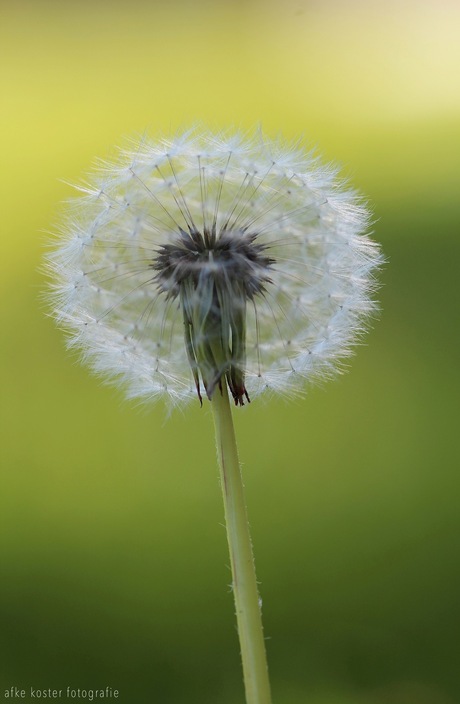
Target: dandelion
{"points": [[216, 266]]}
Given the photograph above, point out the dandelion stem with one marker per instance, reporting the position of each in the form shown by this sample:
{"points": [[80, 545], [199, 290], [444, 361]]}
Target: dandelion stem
{"points": [[248, 614]]}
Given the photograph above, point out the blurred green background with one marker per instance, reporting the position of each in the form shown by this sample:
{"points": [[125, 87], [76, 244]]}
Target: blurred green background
{"points": [[113, 558]]}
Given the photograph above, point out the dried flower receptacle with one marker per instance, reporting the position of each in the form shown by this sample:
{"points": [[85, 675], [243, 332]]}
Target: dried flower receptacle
{"points": [[214, 275]]}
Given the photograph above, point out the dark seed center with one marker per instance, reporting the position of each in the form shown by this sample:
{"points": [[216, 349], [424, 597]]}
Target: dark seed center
{"points": [[234, 255], [214, 277]]}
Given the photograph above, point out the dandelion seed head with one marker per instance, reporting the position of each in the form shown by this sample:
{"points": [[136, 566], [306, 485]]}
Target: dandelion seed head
{"points": [[214, 258]]}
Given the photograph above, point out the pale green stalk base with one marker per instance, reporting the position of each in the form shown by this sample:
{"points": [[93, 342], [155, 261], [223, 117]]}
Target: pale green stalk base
{"points": [[248, 614]]}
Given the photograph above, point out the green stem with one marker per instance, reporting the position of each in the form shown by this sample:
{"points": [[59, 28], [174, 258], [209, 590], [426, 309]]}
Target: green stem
{"points": [[247, 604]]}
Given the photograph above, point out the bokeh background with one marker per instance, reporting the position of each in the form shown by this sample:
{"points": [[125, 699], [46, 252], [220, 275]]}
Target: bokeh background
{"points": [[112, 553]]}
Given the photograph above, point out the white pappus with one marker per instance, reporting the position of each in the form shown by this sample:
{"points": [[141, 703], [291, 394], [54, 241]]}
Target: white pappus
{"points": [[214, 256]]}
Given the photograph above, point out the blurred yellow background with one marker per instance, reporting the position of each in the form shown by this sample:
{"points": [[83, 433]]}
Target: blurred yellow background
{"points": [[112, 553]]}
